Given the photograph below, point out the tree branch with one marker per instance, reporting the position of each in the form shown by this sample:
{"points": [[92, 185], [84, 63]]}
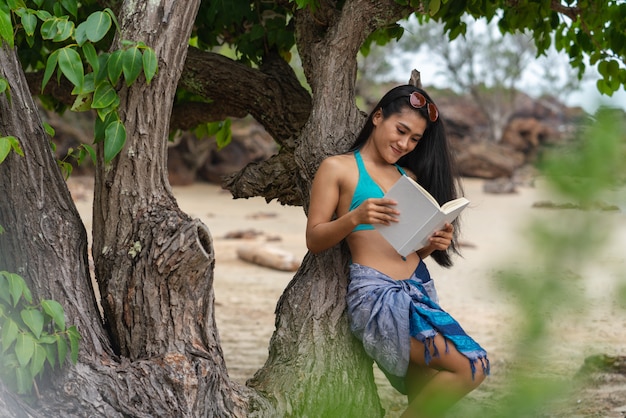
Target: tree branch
{"points": [[571, 12], [272, 94]]}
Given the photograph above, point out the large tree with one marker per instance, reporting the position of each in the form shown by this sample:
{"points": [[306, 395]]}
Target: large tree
{"points": [[155, 351]]}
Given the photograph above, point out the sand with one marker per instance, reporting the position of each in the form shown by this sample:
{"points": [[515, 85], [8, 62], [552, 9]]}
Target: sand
{"points": [[493, 238]]}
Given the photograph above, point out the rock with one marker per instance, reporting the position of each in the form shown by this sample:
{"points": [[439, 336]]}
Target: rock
{"points": [[486, 159], [502, 185], [526, 135]]}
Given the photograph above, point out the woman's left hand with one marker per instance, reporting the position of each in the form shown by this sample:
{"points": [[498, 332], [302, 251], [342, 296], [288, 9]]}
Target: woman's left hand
{"points": [[441, 240]]}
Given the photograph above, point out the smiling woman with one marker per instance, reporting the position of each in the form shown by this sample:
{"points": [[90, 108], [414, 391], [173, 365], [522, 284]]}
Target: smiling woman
{"points": [[392, 297]]}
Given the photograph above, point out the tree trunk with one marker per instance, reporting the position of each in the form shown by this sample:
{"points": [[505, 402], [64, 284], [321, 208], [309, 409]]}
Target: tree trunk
{"points": [[153, 263], [327, 372]]}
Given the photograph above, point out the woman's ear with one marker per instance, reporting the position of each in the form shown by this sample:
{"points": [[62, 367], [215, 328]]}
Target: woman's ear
{"points": [[377, 117]]}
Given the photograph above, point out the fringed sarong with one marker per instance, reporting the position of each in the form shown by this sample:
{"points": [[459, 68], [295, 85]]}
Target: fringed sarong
{"points": [[384, 313]]}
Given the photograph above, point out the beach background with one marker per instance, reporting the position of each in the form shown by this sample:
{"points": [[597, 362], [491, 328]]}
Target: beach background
{"points": [[494, 238]]}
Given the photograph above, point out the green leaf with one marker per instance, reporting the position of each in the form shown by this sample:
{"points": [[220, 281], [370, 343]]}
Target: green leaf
{"points": [[91, 56], [112, 16], [57, 9], [105, 112], [65, 28], [55, 311], [89, 86], [98, 24], [132, 64], [91, 152], [4, 85], [15, 4], [104, 95], [74, 340], [24, 380], [33, 318], [29, 22], [434, 6], [38, 360], [101, 125], [114, 139], [82, 103], [224, 135], [150, 64], [9, 333], [72, 66], [71, 6], [43, 15], [16, 146], [114, 66], [61, 348], [16, 288], [24, 348], [6, 27], [49, 29], [18, 281], [49, 129], [51, 65], [51, 354], [4, 286], [5, 147], [80, 34]]}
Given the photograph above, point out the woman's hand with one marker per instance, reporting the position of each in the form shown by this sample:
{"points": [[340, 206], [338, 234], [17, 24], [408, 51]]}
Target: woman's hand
{"points": [[442, 239], [439, 240], [377, 211]]}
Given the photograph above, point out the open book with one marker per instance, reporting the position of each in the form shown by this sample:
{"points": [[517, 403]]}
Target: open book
{"points": [[420, 216]]}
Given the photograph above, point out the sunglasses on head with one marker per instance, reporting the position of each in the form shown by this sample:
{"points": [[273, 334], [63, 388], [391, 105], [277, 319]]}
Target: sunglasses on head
{"points": [[418, 101]]}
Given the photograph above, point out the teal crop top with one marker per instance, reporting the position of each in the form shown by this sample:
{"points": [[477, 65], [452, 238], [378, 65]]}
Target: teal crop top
{"points": [[366, 188]]}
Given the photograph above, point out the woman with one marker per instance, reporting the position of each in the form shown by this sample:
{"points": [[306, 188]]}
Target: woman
{"points": [[392, 303]]}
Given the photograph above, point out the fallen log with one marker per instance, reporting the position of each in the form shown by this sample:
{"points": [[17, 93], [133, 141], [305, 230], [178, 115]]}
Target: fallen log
{"points": [[268, 256]]}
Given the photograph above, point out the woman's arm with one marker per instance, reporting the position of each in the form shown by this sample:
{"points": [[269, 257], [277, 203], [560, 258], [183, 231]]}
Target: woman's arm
{"points": [[322, 231]]}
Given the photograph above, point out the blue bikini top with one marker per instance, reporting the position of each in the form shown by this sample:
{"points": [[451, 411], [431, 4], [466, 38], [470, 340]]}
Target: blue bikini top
{"points": [[365, 189]]}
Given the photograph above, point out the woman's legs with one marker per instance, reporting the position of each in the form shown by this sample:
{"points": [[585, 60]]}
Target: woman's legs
{"points": [[431, 395]]}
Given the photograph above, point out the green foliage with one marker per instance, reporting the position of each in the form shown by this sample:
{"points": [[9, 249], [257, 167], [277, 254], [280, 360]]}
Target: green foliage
{"points": [[551, 290], [78, 154], [221, 130], [33, 337], [253, 28], [8, 143], [594, 34], [64, 38]]}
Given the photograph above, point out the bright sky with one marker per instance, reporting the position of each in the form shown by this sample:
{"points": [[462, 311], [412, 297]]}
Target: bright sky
{"points": [[587, 97]]}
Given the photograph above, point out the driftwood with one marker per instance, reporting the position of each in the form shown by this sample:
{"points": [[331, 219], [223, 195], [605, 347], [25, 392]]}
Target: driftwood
{"points": [[268, 256]]}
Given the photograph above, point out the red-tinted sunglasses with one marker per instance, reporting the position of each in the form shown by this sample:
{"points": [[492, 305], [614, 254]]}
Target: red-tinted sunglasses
{"points": [[418, 101]]}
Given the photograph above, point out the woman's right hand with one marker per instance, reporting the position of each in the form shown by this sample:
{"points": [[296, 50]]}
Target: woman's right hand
{"points": [[377, 211]]}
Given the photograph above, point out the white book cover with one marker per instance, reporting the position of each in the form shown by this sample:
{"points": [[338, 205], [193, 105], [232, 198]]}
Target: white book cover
{"points": [[420, 216]]}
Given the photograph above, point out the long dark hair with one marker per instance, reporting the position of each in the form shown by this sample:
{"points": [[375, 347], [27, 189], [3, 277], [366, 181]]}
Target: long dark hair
{"points": [[431, 160]]}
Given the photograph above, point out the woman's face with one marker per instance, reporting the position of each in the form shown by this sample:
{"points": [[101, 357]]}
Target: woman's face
{"points": [[397, 135]]}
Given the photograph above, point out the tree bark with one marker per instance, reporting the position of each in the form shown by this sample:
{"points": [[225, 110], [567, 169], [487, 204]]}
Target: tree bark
{"points": [[155, 265], [327, 372]]}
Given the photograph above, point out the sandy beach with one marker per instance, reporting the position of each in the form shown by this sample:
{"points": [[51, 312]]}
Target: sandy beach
{"points": [[493, 239]]}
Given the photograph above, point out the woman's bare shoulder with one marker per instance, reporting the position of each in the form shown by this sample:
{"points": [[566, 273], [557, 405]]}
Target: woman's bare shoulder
{"points": [[338, 162]]}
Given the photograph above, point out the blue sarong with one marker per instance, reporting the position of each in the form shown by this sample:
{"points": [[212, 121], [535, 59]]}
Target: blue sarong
{"points": [[384, 313]]}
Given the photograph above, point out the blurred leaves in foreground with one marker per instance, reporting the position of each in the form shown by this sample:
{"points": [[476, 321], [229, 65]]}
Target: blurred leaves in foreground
{"points": [[551, 288]]}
